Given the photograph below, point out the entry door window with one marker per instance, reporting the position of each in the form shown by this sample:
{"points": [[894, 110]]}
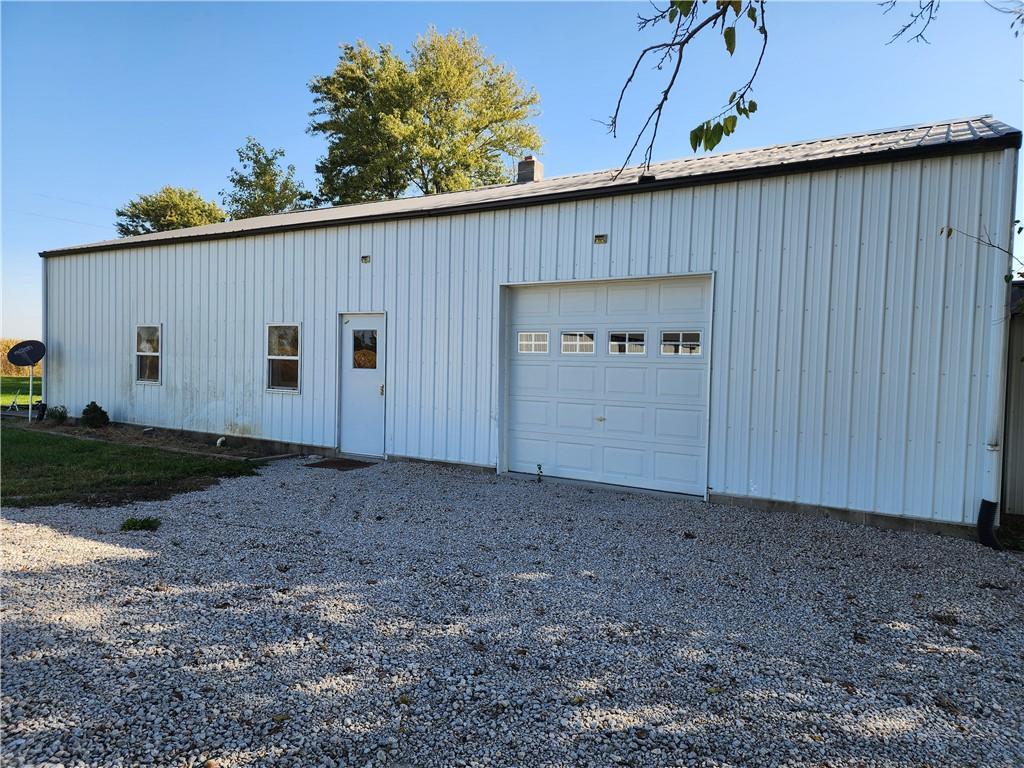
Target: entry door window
{"points": [[364, 349]]}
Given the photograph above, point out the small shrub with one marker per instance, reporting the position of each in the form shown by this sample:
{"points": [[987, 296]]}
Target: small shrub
{"points": [[94, 416], [141, 524], [58, 414]]}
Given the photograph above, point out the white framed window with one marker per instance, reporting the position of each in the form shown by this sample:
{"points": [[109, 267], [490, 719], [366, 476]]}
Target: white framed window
{"points": [[681, 343], [147, 354], [577, 342], [532, 342], [627, 343], [283, 357]]}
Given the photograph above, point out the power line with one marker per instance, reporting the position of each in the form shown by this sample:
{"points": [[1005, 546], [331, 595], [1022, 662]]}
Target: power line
{"points": [[74, 202], [57, 218]]}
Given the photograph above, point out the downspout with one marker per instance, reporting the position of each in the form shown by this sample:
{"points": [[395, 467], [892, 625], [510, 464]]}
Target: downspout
{"points": [[988, 510], [45, 340]]}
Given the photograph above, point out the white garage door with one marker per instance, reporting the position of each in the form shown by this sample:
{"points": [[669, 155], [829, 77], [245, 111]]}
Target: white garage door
{"points": [[609, 382]]}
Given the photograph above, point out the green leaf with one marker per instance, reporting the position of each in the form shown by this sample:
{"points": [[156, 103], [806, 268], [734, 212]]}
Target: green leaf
{"points": [[732, 97], [716, 134], [737, 6], [752, 106], [672, 13], [730, 39], [684, 6], [696, 135], [752, 15], [729, 124]]}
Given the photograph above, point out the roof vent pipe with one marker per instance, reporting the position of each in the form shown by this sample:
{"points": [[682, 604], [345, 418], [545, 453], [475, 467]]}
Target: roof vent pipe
{"points": [[530, 169]]}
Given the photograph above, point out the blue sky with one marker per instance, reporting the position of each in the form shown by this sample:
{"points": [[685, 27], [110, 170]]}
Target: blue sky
{"points": [[101, 102]]}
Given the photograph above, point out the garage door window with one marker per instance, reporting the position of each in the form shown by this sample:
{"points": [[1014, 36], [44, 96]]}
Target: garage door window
{"points": [[533, 342], [680, 343], [627, 343], [577, 342]]}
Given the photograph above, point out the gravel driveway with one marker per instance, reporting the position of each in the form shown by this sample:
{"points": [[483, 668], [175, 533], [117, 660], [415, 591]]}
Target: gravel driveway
{"points": [[415, 615]]}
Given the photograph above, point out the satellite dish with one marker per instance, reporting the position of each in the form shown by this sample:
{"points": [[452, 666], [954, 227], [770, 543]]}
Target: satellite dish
{"points": [[26, 353]]}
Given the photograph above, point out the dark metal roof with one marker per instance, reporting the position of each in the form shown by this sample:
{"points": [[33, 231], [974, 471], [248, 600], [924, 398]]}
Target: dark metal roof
{"points": [[973, 134]]}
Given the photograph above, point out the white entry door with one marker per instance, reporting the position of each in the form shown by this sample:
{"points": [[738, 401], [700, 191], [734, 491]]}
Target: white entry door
{"points": [[362, 384], [608, 381]]}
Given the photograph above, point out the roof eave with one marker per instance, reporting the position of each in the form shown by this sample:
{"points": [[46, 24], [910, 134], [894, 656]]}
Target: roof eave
{"points": [[1010, 140]]}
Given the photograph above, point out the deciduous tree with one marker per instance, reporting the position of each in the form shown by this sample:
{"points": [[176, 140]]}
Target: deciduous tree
{"points": [[446, 118], [169, 208], [260, 186]]}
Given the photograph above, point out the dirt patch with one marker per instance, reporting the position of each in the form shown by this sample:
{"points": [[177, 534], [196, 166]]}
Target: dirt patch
{"points": [[119, 497], [342, 465], [166, 439], [1011, 532]]}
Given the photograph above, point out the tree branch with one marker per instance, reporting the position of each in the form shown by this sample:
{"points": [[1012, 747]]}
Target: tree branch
{"points": [[685, 29], [926, 13], [676, 46]]}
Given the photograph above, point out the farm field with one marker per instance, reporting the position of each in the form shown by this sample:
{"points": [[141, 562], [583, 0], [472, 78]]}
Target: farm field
{"points": [[11, 385]]}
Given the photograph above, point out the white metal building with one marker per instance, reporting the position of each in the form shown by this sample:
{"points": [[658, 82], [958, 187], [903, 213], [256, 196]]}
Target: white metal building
{"points": [[781, 324]]}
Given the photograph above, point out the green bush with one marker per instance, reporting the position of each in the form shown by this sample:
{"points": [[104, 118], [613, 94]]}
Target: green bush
{"points": [[57, 414], [140, 524], [94, 416]]}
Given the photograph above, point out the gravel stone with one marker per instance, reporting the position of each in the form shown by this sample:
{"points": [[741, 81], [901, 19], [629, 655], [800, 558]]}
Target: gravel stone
{"points": [[411, 614]]}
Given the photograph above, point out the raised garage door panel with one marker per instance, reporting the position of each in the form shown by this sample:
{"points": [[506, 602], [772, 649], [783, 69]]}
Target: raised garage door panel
{"points": [[630, 419]]}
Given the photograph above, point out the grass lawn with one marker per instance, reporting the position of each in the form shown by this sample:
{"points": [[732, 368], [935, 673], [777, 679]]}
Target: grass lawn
{"points": [[9, 386], [41, 468]]}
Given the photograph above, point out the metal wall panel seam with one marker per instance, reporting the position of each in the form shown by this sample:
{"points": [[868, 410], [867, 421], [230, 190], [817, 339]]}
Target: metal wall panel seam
{"points": [[872, 442], [940, 383], [773, 430], [826, 382], [801, 371]]}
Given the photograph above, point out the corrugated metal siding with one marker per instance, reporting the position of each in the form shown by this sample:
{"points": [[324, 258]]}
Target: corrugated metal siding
{"points": [[847, 357]]}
